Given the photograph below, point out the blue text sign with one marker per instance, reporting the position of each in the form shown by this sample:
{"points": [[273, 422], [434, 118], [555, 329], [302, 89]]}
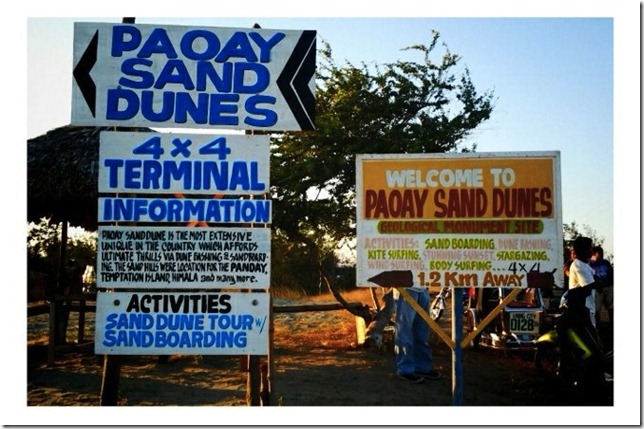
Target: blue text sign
{"points": [[204, 323], [161, 163], [193, 77]]}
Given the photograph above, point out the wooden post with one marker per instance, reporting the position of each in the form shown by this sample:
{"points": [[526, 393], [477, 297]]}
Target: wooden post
{"points": [[258, 388], [457, 350], [270, 381], [111, 377], [112, 364], [81, 320], [265, 385], [61, 315], [491, 315], [253, 381], [51, 346]]}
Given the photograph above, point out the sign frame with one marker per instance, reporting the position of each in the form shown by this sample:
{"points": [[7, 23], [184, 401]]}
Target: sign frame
{"points": [[187, 323], [177, 76], [170, 163], [422, 195]]}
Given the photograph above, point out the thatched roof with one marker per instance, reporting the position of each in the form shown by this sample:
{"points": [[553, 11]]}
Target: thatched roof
{"points": [[62, 175]]}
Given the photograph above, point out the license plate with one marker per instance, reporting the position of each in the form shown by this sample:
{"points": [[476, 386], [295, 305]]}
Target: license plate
{"points": [[524, 323]]}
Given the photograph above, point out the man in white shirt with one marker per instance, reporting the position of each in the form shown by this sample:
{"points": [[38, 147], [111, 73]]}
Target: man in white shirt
{"points": [[581, 273]]}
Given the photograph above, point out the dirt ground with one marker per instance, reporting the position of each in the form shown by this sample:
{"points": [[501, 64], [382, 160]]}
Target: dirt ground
{"points": [[316, 362]]}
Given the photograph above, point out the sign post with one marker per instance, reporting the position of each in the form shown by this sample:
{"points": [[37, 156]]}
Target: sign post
{"points": [[193, 77], [167, 264], [459, 220], [457, 350], [165, 286]]}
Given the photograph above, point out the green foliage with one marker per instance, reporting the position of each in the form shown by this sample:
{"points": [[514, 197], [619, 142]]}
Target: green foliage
{"points": [[291, 269], [571, 231], [296, 269], [425, 106], [43, 249], [42, 241]]}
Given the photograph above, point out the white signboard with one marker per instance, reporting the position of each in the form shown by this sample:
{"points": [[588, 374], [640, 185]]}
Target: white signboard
{"points": [[193, 77], [204, 323], [459, 220], [183, 257], [155, 163]]}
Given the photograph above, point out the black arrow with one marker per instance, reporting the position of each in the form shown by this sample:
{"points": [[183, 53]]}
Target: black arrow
{"points": [[82, 76], [294, 80], [393, 279]]}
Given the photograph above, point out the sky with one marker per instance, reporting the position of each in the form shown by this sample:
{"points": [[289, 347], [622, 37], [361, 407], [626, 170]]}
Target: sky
{"points": [[566, 77], [552, 79]]}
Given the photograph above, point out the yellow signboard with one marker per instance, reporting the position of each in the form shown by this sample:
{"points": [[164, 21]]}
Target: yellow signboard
{"points": [[479, 220]]}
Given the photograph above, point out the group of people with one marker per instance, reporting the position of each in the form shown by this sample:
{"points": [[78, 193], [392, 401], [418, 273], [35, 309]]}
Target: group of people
{"points": [[588, 284]]}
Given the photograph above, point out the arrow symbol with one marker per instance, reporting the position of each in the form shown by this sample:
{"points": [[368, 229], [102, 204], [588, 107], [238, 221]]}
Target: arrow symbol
{"points": [[294, 80], [393, 278], [82, 76]]}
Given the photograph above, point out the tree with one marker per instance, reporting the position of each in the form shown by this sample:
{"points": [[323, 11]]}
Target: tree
{"points": [[47, 276], [43, 252], [571, 231], [403, 107]]}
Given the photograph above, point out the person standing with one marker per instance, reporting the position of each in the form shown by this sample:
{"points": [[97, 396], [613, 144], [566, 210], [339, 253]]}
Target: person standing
{"points": [[581, 376], [413, 351], [582, 274], [603, 270], [569, 256]]}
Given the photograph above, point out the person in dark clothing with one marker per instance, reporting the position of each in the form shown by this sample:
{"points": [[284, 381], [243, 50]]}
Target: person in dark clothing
{"points": [[569, 256], [603, 270]]}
